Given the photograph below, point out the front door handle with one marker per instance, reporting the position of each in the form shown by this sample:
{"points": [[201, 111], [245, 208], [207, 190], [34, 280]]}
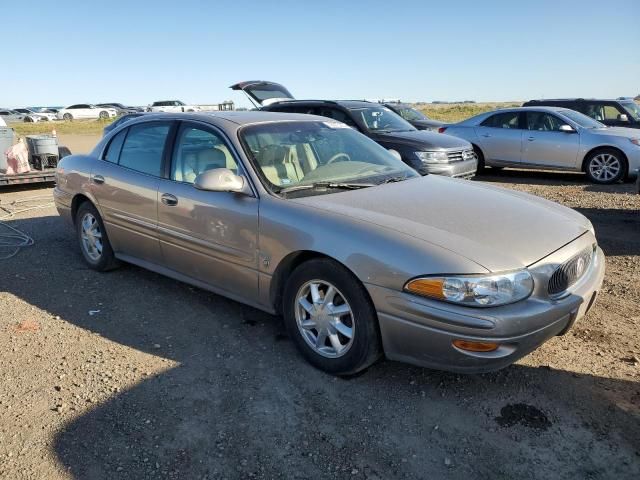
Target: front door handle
{"points": [[99, 179], [486, 135], [169, 200], [531, 139]]}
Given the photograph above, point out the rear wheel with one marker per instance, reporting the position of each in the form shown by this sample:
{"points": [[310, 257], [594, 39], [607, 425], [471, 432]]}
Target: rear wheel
{"points": [[330, 317], [92, 237], [605, 166]]}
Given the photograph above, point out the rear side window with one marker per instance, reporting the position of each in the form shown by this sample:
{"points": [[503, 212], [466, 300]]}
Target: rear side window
{"points": [[143, 148], [113, 150], [502, 120]]}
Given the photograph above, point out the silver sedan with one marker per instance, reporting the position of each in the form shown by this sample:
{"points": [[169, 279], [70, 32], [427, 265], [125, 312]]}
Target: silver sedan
{"points": [[551, 138], [302, 216]]}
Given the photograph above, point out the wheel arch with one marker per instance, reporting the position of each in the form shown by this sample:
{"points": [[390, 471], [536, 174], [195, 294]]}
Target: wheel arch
{"points": [[286, 266], [77, 201], [625, 160]]}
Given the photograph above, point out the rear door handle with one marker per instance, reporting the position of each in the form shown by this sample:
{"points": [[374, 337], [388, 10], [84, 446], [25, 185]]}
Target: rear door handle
{"points": [[531, 139], [99, 179], [486, 135], [169, 200]]}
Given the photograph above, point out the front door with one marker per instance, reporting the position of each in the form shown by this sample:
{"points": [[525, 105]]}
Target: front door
{"points": [[125, 185], [208, 236], [499, 137], [545, 145]]}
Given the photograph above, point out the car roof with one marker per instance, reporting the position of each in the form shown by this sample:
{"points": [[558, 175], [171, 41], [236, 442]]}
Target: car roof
{"points": [[580, 100], [238, 118], [342, 103]]}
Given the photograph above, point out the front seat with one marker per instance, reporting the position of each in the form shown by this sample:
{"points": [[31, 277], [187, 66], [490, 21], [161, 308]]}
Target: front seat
{"points": [[203, 161]]}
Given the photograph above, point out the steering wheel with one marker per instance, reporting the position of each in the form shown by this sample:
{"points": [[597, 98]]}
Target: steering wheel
{"points": [[337, 156]]}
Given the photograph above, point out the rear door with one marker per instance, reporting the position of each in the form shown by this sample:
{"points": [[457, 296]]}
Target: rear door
{"points": [[208, 236], [125, 184], [545, 145], [263, 93], [500, 138]]}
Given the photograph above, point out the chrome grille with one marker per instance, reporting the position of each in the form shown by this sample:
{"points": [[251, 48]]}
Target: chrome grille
{"points": [[570, 272], [455, 156]]}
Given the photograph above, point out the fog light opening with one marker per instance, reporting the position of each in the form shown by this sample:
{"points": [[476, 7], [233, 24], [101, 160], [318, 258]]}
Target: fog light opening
{"points": [[475, 346]]}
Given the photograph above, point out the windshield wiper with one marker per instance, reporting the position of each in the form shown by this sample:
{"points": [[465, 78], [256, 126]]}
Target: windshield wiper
{"points": [[394, 179], [325, 186]]}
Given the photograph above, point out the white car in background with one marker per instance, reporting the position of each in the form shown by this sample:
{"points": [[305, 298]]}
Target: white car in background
{"points": [[172, 106], [33, 116], [84, 111]]}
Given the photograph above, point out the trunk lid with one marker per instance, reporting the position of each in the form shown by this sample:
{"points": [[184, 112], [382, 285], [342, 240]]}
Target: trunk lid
{"points": [[263, 93]]}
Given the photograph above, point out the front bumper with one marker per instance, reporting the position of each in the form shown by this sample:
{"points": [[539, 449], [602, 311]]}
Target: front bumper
{"points": [[461, 169], [420, 331]]}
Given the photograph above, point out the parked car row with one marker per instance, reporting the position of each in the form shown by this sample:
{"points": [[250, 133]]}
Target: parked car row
{"points": [[26, 115]]}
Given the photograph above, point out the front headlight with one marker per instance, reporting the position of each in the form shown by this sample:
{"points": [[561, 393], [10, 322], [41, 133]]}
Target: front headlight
{"points": [[433, 157], [475, 290], [635, 141]]}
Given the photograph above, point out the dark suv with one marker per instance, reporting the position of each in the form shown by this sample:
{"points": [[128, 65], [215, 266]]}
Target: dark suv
{"points": [[623, 112], [424, 151]]}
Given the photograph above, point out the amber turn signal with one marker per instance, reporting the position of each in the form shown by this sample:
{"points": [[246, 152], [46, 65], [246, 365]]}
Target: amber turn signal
{"points": [[475, 346], [428, 287]]}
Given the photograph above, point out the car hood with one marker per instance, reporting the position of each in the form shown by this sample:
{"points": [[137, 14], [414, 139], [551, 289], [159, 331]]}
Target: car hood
{"points": [[616, 132], [425, 139], [496, 228]]}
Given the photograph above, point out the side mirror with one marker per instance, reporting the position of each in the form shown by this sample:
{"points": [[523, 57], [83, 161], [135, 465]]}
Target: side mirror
{"points": [[222, 180], [567, 129], [623, 117]]}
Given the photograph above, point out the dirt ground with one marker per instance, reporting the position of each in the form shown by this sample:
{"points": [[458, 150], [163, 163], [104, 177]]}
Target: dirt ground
{"points": [[133, 375]]}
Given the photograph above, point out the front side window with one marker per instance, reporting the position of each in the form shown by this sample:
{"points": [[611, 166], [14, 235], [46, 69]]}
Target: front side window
{"points": [[502, 120], [112, 154], [301, 153], [381, 119], [143, 148], [544, 122], [338, 115], [197, 151], [611, 112]]}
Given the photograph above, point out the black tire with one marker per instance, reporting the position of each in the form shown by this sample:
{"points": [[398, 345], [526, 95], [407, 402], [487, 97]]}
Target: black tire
{"points": [[480, 157], [599, 175], [365, 348], [67, 116], [107, 260], [28, 120], [103, 115]]}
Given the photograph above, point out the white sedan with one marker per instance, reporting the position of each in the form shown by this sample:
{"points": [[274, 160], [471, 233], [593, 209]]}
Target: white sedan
{"points": [[83, 111], [33, 116]]}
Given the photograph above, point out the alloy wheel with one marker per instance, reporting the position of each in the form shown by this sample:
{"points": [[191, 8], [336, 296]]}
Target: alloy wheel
{"points": [[604, 167], [91, 237], [324, 318]]}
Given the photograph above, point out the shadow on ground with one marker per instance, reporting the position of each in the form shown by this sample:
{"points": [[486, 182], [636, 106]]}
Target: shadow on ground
{"points": [[243, 403]]}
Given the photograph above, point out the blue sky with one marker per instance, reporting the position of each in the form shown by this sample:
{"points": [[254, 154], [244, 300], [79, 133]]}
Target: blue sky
{"points": [[62, 52]]}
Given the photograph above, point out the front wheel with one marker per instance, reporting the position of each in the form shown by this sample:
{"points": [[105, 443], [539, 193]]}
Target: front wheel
{"points": [[104, 115], [92, 237], [68, 117], [330, 317], [605, 166]]}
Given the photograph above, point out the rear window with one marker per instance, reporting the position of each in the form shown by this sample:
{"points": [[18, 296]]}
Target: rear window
{"points": [[502, 120], [143, 148]]}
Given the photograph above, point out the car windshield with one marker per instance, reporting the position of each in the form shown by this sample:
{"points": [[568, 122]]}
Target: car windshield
{"points": [[582, 120], [411, 114], [381, 119], [633, 109], [289, 154]]}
